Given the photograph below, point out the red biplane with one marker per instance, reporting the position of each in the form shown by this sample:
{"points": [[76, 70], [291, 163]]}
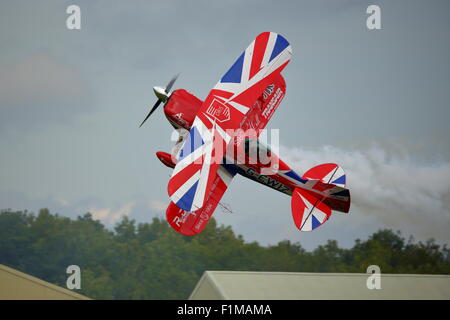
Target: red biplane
{"points": [[212, 132]]}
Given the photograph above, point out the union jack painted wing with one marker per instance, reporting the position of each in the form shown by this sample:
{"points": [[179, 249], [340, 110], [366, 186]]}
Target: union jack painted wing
{"points": [[190, 223], [264, 107], [223, 109]]}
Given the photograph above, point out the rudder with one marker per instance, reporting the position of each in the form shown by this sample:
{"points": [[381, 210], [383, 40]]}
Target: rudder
{"points": [[312, 205], [308, 211]]}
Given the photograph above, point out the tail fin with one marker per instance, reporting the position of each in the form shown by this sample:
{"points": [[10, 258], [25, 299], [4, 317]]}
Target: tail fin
{"points": [[311, 206], [308, 211]]}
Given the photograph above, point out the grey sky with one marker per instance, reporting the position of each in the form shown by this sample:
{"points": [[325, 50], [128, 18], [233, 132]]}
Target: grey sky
{"points": [[71, 103]]}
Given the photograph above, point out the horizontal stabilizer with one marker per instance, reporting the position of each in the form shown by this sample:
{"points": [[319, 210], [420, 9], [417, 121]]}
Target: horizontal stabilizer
{"points": [[328, 173], [332, 182]]}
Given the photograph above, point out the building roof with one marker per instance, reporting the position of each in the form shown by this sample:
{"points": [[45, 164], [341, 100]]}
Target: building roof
{"points": [[16, 285], [237, 285]]}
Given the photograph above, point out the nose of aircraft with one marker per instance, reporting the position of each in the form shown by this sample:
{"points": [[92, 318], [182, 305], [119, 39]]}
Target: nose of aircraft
{"points": [[161, 94]]}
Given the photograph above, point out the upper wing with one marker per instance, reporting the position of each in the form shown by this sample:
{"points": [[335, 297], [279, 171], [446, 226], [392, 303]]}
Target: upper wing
{"points": [[265, 106], [223, 110]]}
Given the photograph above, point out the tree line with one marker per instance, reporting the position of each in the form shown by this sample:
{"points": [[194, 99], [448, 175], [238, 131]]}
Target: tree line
{"points": [[152, 261]]}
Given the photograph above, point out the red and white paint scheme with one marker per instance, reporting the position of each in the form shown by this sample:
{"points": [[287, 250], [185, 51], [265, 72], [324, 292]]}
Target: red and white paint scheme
{"points": [[244, 100]]}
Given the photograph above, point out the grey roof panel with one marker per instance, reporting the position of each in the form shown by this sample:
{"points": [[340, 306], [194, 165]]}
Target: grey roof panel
{"points": [[296, 286]]}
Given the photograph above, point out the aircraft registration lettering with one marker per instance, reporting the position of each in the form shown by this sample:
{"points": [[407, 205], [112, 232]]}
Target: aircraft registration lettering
{"points": [[268, 181]]}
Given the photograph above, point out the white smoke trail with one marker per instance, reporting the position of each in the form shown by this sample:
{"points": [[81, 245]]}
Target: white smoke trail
{"points": [[393, 188]]}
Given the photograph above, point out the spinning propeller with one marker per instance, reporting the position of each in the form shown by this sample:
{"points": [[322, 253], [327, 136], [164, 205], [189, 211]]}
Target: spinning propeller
{"points": [[162, 94]]}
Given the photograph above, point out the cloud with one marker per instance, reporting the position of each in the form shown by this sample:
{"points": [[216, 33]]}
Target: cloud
{"points": [[111, 216], [62, 202], [158, 205], [392, 187], [17, 200]]}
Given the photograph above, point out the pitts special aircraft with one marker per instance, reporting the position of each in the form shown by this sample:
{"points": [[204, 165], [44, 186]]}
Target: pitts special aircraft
{"points": [[245, 98]]}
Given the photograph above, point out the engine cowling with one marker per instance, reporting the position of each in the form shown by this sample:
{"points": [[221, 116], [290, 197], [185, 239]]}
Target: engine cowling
{"points": [[181, 108]]}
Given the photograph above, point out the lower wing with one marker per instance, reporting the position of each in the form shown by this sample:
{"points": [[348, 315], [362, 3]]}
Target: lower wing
{"points": [[190, 223]]}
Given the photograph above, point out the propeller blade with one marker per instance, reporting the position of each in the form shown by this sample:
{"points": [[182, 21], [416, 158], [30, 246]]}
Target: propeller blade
{"points": [[171, 82], [151, 111], [162, 94]]}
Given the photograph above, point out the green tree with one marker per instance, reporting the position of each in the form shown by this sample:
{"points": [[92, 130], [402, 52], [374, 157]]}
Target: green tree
{"points": [[152, 261]]}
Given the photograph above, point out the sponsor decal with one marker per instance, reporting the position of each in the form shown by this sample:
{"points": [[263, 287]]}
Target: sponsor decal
{"points": [[268, 91], [218, 110], [276, 99], [204, 217], [180, 220]]}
